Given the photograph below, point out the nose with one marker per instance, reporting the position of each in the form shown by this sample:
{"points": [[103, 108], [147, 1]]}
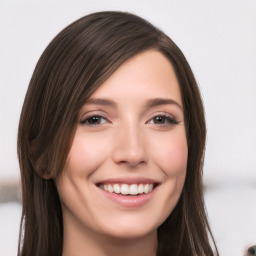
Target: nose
{"points": [[129, 146]]}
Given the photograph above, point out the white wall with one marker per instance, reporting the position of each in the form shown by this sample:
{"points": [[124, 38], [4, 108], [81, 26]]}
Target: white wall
{"points": [[217, 37]]}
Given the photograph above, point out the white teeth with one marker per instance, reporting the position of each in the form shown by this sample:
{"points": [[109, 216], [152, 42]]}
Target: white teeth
{"points": [[134, 189], [117, 189], [146, 188], [110, 188], [141, 189], [125, 189]]}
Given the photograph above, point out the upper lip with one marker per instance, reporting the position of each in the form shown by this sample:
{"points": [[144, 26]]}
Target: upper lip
{"points": [[128, 180]]}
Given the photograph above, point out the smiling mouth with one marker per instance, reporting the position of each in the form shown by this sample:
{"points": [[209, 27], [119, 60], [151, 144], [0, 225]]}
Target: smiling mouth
{"points": [[128, 189]]}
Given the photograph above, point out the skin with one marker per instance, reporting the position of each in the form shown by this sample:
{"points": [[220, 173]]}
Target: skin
{"points": [[127, 140]]}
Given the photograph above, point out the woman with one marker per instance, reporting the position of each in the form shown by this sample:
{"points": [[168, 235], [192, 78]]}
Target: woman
{"points": [[111, 143]]}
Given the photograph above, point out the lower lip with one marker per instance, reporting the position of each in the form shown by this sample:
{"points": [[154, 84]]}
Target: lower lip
{"points": [[129, 201]]}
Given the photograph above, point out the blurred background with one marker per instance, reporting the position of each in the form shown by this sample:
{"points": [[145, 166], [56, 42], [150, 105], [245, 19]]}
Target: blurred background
{"points": [[217, 37]]}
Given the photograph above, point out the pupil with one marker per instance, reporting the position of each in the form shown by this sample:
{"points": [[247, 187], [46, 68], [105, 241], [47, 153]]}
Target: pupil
{"points": [[94, 120], [159, 119]]}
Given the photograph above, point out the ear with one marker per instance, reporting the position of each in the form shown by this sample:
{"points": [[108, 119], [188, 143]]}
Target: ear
{"points": [[41, 170], [39, 159], [46, 176], [41, 166]]}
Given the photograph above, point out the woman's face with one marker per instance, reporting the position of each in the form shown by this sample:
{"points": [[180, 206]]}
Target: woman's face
{"points": [[126, 168]]}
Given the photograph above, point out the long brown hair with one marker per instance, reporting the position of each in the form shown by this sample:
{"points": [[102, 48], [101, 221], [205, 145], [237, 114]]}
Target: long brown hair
{"points": [[77, 61]]}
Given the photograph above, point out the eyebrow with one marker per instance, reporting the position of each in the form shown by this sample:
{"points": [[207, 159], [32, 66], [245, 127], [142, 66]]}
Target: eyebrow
{"points": [[102, 102], [161, 101], [150, 103]]}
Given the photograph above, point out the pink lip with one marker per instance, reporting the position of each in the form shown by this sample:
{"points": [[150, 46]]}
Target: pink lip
{"points": [[128, 180], [128, 201]]}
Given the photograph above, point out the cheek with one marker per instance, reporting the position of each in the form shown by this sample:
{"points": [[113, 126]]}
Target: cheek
{"points": [[87, 153], [170, 154]]}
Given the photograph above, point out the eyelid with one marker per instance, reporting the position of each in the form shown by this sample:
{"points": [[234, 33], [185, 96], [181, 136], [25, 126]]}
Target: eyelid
{"points": [[87, 114], [92, 114], [170, 117]]}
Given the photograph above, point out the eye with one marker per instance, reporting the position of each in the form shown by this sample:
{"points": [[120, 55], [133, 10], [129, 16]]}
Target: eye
{"points": [[94, 120], [162, 120]]}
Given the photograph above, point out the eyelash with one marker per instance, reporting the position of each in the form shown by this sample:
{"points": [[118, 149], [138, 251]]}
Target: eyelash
{"points": [[167, 118], [170, 119], [87, 120]]}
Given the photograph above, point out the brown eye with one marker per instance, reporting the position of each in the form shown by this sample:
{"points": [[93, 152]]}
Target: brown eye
{"points": [[94, 120], [163, 120], [159, 120]]}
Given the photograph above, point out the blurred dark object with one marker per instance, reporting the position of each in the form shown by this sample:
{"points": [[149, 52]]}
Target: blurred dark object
{"points": [[251, 251], [9, 191]]}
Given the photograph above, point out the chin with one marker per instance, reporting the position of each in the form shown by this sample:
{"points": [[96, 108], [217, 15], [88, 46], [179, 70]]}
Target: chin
{"points": [[131, 228], [130, 233]]}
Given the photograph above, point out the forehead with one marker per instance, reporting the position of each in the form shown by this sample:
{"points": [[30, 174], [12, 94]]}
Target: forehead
{"points": [[149, 74]]}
